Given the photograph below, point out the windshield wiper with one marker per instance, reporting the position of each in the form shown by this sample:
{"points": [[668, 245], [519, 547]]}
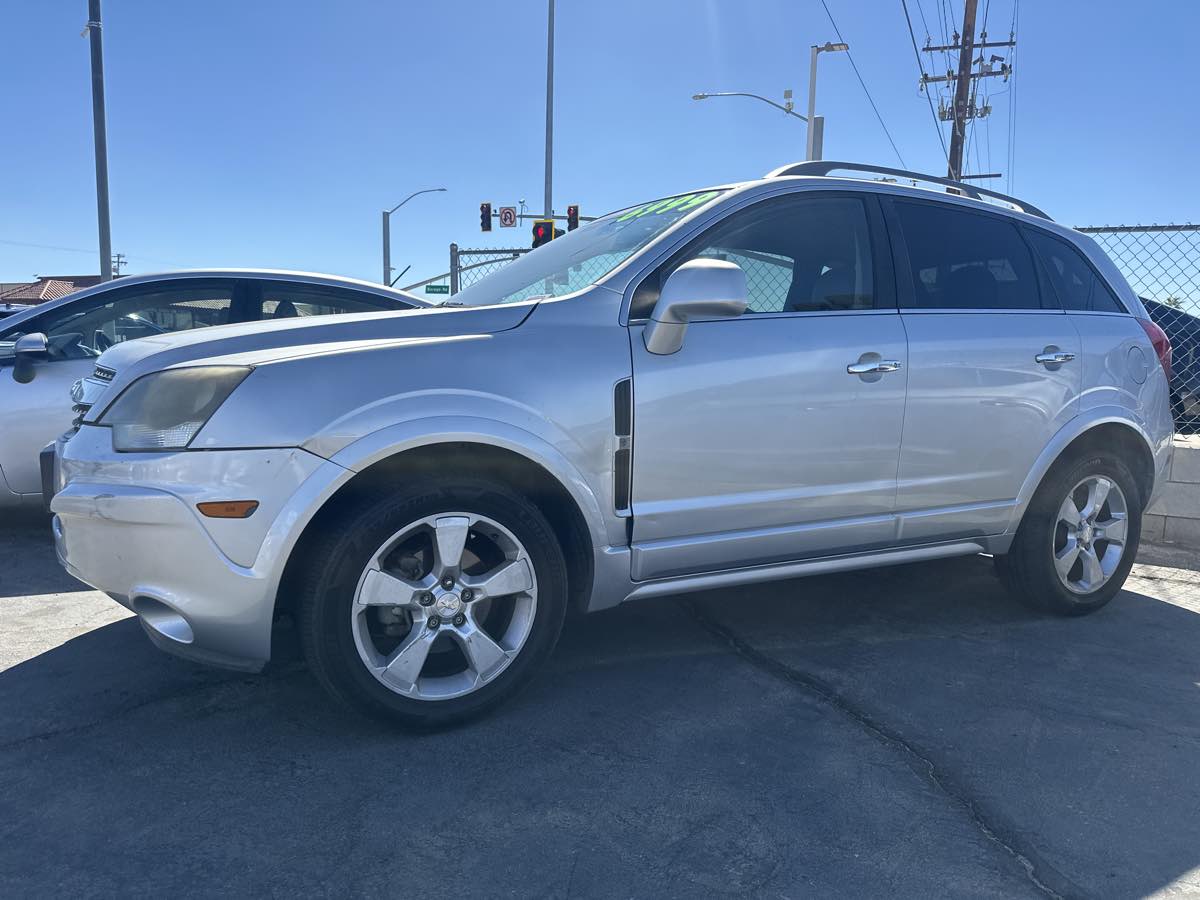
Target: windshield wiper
{"points": [[450, 303]]}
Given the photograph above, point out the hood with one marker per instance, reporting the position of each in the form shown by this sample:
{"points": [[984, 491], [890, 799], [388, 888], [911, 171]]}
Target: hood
{"points": [[313, 334], [257, 343]]}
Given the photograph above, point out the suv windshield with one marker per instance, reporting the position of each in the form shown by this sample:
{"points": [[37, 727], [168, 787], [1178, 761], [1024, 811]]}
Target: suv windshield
{"points": [[581, 258]]}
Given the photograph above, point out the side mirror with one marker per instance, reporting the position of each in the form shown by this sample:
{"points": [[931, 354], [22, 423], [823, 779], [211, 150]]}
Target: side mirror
{"points": [[699, 288], [28, 349]]}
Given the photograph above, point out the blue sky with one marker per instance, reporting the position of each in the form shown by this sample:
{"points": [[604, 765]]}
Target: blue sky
{"points": [[271, 133]]}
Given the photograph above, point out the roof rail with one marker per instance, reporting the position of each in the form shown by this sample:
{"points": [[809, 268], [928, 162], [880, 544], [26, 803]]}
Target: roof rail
{"points": [[819, 167]]}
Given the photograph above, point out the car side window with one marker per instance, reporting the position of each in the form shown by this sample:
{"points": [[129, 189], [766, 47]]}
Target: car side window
{"points": [[86, 329], [288, 300], [961, 259], [1073, 279], [800, 254]]}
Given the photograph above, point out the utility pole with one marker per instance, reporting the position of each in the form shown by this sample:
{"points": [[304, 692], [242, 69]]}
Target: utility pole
{"points": [[963, 107], [118, 260], [962, 87], [548, 208], [93, 28]]}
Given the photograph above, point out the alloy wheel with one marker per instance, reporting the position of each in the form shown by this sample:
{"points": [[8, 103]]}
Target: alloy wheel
{"points": [[1090, 534], [444, 606]]}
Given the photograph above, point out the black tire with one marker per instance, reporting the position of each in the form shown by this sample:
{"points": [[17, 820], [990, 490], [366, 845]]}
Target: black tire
{"points": [[337, 562], [1028, 569]]}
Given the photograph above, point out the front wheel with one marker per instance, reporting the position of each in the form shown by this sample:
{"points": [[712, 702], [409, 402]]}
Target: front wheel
{"points": [[430, 606], [1078, 538]]}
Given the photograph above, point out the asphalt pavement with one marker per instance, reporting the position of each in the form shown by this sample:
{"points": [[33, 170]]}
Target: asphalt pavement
{"points": [[903, 732]]}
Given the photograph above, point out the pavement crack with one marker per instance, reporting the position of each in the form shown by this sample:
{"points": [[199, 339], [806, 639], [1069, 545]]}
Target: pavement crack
{"points": [[1039, 872]]}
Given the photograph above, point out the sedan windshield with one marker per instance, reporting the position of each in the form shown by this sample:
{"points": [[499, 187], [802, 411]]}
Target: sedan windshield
{"points": [[584, 256]]}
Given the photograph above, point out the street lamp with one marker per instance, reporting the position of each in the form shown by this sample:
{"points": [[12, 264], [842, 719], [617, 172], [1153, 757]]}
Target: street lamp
{"points": [[786, 106], [816, 125], [387, 232]]}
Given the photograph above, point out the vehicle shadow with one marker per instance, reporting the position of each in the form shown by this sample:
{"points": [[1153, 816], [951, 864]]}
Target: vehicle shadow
{"points": [[909, 730], [28, 566]]}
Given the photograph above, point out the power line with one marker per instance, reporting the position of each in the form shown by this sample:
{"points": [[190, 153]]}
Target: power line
{"points": [[46, 246], [973, 124], [921, 68], [924, 23], [92, 250], [1012, 101], [947, 29], [858, 74]]}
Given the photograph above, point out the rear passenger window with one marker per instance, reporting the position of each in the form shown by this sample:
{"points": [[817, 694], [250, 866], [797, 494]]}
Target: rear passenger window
{"points": [[1073, 279], [966, 260], [285, 300]]}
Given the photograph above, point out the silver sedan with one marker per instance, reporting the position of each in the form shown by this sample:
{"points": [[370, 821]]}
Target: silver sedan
{"points": [[45, 349]]}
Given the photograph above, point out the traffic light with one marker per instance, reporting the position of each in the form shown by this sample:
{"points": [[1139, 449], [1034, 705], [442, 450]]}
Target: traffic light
{"points": [[485, 217], [572, 217], [543, 231]]}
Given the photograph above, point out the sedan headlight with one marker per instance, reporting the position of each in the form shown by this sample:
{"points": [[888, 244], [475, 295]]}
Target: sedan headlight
{"points": [[165, 410]]}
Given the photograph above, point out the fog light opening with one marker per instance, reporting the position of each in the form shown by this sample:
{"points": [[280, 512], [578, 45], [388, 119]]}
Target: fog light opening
{"points": [[165, 621]]}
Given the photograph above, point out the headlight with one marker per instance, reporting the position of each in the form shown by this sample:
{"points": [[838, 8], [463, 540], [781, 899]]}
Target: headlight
{"points": [[165, 410]]}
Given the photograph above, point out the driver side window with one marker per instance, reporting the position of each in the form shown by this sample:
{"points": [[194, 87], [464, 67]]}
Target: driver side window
{"points": [[83, 330], [800, 253]]}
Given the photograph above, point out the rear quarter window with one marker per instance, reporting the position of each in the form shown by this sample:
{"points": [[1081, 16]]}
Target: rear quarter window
{"points": [[1072, 277]]}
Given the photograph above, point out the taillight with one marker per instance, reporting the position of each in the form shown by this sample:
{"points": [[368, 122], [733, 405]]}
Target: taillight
{"points": [[1162, 344]]}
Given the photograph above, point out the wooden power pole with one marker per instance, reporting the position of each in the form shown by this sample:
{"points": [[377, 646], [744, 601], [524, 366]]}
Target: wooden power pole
{"points": [[964, 108], [962, 87]]}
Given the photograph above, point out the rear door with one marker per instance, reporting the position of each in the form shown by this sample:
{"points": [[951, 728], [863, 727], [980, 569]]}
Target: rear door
{"points": [[994, 367]]}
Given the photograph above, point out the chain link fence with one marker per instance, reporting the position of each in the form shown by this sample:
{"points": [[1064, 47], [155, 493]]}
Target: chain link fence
{"points": [[468, 267], [1162, 264]]}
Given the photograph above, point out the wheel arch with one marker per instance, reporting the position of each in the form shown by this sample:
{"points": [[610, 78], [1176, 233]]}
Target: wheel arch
{"points": [[1106, 432], [468, 456]]}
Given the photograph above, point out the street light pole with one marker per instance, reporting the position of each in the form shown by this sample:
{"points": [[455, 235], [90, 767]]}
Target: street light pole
{"points": [[816, 124], [387, 232], [549, 204], [101, 139]]}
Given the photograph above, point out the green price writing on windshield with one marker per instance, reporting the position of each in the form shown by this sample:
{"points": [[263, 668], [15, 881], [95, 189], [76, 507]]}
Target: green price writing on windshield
{"points": [[678, 204]]}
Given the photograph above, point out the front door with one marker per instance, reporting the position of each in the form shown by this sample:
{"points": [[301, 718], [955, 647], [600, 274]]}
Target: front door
{"points": [[753, 443]]}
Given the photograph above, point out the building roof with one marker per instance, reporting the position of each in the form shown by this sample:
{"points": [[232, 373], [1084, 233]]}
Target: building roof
{"points": [[47, 287], [80, 281]]}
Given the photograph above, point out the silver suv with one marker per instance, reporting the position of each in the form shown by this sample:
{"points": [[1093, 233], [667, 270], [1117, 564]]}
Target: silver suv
{"points": [[795, 375]]}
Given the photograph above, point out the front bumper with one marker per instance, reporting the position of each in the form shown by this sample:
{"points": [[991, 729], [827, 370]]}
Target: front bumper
{"points": [[127, 524]]}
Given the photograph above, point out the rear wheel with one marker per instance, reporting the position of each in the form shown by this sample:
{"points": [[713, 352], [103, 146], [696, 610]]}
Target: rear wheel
{"points": [[1077, 541], [430, 606]]}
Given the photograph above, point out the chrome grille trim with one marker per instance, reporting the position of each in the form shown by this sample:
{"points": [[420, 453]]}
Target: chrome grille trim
{"points": [[86, 391]]}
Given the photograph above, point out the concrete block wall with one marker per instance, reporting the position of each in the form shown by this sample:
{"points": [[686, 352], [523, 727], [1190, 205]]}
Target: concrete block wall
{"points": [[1174, 518]]}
